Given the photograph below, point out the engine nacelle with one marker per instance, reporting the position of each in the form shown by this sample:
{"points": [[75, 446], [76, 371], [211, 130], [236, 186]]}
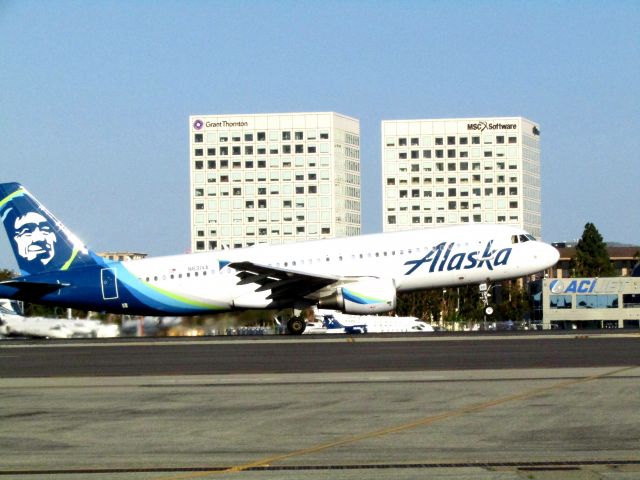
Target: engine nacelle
{"points": [[369, 295]]}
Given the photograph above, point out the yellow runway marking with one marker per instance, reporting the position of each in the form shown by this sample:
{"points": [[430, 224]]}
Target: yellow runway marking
{"points": [[264, 462]]}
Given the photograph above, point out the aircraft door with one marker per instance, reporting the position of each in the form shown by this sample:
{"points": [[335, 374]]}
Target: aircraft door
{"points": [[109, 282]]}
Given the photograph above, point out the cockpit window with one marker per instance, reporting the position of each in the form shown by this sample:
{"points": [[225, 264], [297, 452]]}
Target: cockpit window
{"points": [[522, 238]]}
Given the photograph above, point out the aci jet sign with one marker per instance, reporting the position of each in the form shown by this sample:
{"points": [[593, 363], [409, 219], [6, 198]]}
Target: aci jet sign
{"points": [[585, 285]]}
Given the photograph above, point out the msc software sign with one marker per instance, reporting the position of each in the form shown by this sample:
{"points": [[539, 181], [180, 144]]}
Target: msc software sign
{"points": [[482, 126]]}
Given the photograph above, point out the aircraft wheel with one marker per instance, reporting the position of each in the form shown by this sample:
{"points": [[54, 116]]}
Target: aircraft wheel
{"points": [[296, 326]]}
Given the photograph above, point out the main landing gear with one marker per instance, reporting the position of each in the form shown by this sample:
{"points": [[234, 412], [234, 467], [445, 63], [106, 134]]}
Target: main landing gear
{"points": [[296, 325]]}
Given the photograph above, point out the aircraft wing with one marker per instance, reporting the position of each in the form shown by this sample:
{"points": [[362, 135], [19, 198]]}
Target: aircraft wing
{"points": [[284, 284]]}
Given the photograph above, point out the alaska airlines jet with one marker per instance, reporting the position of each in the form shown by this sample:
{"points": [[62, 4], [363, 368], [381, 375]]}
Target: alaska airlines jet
{"points": [[352, 274]]}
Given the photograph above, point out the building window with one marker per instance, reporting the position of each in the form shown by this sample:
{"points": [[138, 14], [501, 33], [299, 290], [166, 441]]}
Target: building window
{"points": [[560, 301]]}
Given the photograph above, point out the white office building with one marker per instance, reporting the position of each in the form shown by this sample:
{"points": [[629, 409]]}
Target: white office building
{"points": [[462, 170], [273, 178]]}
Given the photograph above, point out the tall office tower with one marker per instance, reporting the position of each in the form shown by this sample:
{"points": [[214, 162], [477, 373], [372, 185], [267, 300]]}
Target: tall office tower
{"points": [[273, 178], [461, 170]]}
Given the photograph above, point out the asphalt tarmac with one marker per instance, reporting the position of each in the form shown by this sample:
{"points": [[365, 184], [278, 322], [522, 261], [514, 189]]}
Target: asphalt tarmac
{"points": [[340, 408]]}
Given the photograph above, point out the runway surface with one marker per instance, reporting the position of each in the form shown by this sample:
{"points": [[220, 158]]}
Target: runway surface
{"points": [[313, 355], [311, 408]]}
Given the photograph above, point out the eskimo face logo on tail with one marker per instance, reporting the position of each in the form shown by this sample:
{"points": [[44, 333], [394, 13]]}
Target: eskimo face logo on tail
{"points": [[34, 237], [441, 258], [30, 231], [39, 241]]}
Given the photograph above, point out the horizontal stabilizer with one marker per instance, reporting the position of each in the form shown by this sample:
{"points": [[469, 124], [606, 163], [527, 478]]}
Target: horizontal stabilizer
{"points": [[31, 288]]}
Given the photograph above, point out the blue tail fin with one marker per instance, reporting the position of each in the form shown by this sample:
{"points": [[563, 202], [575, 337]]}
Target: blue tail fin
{"points": [[331, 322], [40, 242]]}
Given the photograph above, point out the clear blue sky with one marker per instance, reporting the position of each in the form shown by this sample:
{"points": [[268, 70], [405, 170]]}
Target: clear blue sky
{"points": [[95, 97]]}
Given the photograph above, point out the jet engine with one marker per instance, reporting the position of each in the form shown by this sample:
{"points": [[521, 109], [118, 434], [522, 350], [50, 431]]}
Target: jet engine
{"points": [[364, 296]]}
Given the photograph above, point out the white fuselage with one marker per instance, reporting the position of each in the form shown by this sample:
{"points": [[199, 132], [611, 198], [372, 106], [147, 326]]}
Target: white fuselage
{"points": [[413, 260]]}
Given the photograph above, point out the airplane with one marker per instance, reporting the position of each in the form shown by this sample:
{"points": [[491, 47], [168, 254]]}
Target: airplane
{"points": [[336, 322], [13, 323], [359, 275]]}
